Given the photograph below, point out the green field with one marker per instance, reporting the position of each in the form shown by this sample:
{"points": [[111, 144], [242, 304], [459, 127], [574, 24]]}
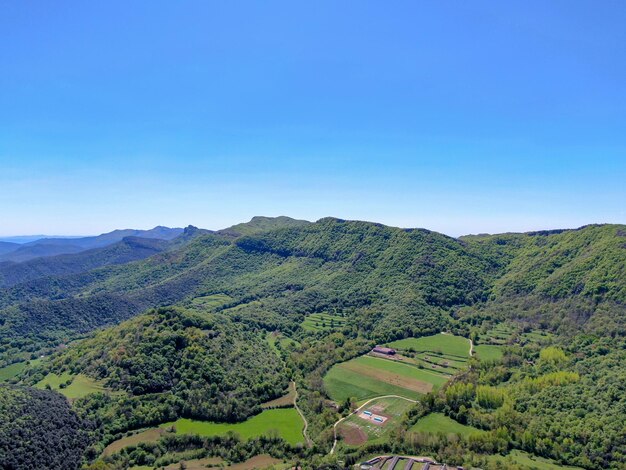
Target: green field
{"points": [[393, 408], [489, 352], [442, 344], [532, 461], [80, 385], [440, 423], [13, 370], [286, 422], [366, 377], [276, 338], [323, 322], [209, 302]]}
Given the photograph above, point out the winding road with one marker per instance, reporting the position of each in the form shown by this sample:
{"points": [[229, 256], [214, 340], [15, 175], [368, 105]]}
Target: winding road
{"points": [[309, 442]]}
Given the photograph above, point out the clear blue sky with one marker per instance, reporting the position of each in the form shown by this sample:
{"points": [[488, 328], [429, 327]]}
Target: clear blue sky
{"points": [[456, 116]]}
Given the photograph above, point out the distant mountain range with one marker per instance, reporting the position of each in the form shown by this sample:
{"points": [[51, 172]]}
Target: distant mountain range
{"points": [[42, 247]]}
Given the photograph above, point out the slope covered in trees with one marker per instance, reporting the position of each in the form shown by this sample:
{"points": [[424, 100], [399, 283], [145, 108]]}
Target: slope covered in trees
{"points": [[38, 429], [208, 357]]}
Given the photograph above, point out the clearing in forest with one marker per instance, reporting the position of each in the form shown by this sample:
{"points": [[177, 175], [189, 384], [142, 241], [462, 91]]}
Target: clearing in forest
{"points": [[444, 353], [531, 461], [72, 386], [489, 352], [435, 423], [441, 344], [323, 322], [285, 422], [11, 371]]}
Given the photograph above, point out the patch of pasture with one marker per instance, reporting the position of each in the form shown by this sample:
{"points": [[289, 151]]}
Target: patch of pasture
{"points": [[72, 386], [11, 371], [210, 302], [435, 423], [489, 352], [284, 422], [54, 380], [277, 341], [323, 322], [532, 461], [440, 344]]}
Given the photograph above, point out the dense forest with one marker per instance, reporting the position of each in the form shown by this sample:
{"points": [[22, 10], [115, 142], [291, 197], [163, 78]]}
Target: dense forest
{"points": [[38, 429], [191, 320]]}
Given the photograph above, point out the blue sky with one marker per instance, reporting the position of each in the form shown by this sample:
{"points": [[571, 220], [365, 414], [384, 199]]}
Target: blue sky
{"points": [[457, 116]]}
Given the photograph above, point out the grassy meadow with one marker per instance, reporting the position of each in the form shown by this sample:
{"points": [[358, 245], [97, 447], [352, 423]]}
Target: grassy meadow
{"points": [[440, 423], [442, 344], [531, 461], [80, 385], [489, 352], [11, 371], [285, 421]]}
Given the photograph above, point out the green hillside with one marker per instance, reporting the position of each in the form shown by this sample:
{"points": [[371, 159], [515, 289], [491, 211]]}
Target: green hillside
{"points": [[185, 333]]}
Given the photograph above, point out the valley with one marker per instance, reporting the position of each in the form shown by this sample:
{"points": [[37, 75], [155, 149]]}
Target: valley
{"points": [[219, 348]]}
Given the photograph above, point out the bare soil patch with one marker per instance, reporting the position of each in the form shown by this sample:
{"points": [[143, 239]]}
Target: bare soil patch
{"points": [[198, 464], [352, 435], [284, 401], [151, 435], [257, 462]]}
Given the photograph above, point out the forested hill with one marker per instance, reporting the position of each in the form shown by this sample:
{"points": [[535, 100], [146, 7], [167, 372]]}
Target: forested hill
{"points": [[561, 278], [389, 282], [212, 324]]}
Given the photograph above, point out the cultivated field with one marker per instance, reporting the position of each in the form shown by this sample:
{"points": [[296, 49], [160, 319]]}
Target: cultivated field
{"points": [[444, 353], [323, 322], [286, 422], [439, 423], [367, 377], [361, 427], [150, 435], [198, 464]]}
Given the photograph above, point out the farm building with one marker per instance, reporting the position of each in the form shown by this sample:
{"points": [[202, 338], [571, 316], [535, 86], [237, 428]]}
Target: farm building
{"points": [[383, 350]]}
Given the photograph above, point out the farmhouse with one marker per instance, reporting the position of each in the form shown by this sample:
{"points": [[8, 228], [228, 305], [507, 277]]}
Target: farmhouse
{"points": [[383, 350]]}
